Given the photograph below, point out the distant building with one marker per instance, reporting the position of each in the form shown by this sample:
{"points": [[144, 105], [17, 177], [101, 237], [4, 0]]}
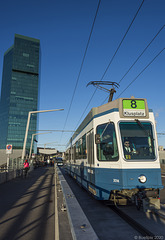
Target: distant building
{"points": [[161, 148], [19, 91], [47, 151]]}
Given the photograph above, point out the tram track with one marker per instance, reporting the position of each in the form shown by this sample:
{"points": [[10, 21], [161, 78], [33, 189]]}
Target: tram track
{"points": [[160, 215], [134, 224]]}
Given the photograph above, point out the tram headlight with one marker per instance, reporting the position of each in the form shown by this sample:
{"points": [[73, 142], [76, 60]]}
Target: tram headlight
{"points": [[142, 178]]}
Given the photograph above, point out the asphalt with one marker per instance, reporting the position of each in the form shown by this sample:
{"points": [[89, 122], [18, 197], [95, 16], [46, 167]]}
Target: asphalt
{"points": [[27, 208]]}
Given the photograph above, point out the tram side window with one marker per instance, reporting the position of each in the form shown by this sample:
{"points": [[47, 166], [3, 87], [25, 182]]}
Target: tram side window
{"points": [[80, 148], [90, 147], [107, 149], [139, 136], [84, 148], [77, 153], [74, 153]]}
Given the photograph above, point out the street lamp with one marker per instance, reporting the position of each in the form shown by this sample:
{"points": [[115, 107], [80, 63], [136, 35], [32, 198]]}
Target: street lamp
{"points": [[32, 141], [27, 126]]}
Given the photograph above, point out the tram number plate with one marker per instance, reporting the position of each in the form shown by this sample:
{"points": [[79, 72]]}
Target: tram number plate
{"points": [[134, 107]]}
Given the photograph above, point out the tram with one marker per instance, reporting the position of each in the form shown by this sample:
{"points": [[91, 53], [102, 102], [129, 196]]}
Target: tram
{"points": [[114, 154]]}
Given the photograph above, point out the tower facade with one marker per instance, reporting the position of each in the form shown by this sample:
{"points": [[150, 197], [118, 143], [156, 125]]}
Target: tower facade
{"points": [[19, 91]]}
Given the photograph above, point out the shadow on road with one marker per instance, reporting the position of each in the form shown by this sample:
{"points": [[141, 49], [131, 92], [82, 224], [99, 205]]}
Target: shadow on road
{"points": [[26, 209]]}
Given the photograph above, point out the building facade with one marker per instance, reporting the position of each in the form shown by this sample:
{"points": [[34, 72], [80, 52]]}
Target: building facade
{"points": [[19, 91]]}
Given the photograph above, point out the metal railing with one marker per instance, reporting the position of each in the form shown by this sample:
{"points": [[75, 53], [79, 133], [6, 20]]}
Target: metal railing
{"points": [[13, 170]]}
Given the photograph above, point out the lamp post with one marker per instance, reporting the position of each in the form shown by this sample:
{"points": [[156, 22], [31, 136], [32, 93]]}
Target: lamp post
{"points": [[27, 126], [32, 141]]}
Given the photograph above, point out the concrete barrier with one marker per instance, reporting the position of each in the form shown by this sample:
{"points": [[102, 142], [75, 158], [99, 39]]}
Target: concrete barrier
{"points": [[81, 228]]}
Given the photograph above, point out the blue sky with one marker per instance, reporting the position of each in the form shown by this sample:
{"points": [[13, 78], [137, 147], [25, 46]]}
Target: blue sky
{"points": [[63, 28]]}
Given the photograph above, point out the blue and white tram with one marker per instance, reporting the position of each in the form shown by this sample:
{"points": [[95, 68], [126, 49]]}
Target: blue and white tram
{"points": [[114, 153]]}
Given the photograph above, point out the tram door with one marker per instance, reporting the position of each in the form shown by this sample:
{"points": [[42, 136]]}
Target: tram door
{"points": [[90, 155]]}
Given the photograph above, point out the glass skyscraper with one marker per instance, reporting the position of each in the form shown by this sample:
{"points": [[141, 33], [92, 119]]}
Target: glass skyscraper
{"points": [[19, 91]]}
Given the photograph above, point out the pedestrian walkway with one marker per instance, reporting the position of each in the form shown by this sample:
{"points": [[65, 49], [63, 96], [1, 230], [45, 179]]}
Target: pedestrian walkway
{"points": [[27, 207]]}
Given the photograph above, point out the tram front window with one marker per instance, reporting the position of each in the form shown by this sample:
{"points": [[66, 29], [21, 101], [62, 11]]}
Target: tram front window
{"points": [[137, 140], [107, 147]]}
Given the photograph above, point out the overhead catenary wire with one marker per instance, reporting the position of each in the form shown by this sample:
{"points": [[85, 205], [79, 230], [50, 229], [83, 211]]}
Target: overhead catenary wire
{"points": [[138, 57], [122, 40], [141, 72], [142, 53], [82, 63], [54, 130], [111, 60]]}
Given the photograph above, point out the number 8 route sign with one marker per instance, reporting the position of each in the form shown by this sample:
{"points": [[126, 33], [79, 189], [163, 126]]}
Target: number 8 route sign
{"points": [[9, 149], [134, 107]]}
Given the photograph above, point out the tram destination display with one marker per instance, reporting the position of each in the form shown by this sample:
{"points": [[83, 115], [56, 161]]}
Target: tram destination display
{"points": [[134, 108]]}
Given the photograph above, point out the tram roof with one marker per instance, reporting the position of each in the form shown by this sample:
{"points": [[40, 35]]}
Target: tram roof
{"points": [[96, 111], [114, 106]]}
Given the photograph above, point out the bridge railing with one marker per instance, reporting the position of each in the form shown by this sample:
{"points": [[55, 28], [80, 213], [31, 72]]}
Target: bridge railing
{"points": [[14, 170]]}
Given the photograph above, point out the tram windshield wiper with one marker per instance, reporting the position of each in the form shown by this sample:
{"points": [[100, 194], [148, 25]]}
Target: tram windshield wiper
{"points": [[142, 127], [105, 129], [147, 133]]}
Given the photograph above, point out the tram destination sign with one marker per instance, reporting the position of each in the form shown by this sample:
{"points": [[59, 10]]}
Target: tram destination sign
{"points": [[134, 108]]}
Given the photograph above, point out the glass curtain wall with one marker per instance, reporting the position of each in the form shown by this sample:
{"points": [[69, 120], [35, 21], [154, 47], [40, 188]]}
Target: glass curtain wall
{"points": [[20, 85]]}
